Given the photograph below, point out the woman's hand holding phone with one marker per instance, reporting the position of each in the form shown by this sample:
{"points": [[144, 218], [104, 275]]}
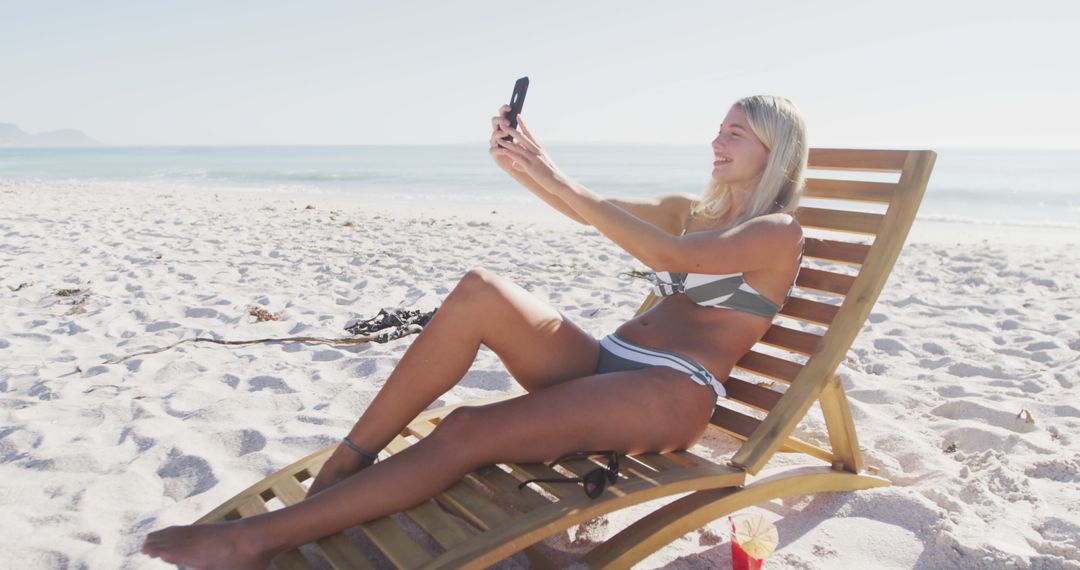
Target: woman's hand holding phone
{"points": [[522, 153], [503, 161], [500, 128]]}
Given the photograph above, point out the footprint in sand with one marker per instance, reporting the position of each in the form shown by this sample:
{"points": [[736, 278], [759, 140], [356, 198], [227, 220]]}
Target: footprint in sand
{"points": [[952, 391], [34, 336], [933, 348], [90, 537], [200, 313], [186, 475], [326, 356], [243, 442], [934, 364], [141, 443], [965, 370], [1064, 470], [890, 345], [271, 383], [161, 325], [1062, 538], [1066, 411]]}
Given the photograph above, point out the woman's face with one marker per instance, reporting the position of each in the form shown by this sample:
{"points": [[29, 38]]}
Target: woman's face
{"points": [[739, 155]]}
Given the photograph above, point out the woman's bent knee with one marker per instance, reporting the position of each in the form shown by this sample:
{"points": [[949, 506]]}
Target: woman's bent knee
{"points": [[475, 284]]}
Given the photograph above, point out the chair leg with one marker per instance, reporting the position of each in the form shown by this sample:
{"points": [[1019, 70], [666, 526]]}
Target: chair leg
{"points": [[841, 428], [694, 511]]}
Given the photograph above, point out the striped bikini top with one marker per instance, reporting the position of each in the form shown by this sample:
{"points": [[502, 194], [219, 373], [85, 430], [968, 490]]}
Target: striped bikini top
{"points": [[718, 291]]}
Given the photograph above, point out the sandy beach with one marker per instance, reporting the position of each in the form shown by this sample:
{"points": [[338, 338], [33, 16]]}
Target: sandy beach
{"points": [[964, 384]]}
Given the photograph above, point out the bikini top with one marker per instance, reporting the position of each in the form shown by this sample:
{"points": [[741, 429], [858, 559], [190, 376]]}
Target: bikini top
{"points": [[729, 291]]}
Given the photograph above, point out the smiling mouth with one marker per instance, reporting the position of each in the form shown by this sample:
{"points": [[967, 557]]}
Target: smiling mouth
{"points": [[721, 161]]}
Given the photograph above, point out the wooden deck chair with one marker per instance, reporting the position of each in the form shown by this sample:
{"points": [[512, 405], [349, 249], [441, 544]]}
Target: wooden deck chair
{"points": [[485, 518]]}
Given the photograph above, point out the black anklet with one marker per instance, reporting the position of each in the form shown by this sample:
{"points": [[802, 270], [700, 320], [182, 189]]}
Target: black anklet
{"points": [[359, 450]]}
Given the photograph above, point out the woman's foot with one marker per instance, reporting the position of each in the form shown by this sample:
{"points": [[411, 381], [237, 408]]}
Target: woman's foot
{"points": [[223, 545]]}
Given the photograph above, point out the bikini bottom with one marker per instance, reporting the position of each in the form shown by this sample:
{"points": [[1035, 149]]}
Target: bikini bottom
{"points": [[617, 354]]}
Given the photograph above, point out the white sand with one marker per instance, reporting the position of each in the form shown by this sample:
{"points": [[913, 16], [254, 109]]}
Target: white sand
{"points": [[967, 334]]}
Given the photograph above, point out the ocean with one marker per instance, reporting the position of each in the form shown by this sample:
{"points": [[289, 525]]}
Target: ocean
{"points": [[998, 187]]}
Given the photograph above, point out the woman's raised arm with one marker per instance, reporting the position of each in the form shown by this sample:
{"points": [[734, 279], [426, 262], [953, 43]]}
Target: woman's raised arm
{"points": [[506, 164], [668, 213]]}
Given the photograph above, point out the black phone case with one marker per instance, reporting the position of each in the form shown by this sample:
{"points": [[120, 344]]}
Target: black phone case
{"points": [[517, 101]]}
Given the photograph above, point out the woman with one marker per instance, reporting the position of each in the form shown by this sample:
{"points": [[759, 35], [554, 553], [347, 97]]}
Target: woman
{"points": [[628, 392]]}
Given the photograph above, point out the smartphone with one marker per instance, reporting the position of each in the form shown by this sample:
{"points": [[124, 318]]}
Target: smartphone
{"points": [[517, 101]]}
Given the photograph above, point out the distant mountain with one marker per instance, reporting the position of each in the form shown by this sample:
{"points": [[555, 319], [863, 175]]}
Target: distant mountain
{"points": [[13, 136]]}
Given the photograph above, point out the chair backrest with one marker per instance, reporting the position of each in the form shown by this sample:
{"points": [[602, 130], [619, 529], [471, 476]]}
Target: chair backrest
{"points": [[856, 213]]}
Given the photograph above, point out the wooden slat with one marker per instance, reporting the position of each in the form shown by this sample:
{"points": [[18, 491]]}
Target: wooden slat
{"points": [[858, 159], [826, 281], [769, 366], [262, 488], [839, 220], [809, 311], [485, 514], [736, 423], [782, 420], [397, 445], [420, 429], [751, 394], [742, 427], [487, 549], [690, 460], [395, 543], [338, 550], [635, 467], [854, 190], [834, 250], [445, 529], [658, 461], [475, 507], [291, 560], [629, 469], [801, 342], [505, 488]]}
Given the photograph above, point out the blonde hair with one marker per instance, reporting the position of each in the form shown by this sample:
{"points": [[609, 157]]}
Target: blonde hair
{"points": [[780, 127]]}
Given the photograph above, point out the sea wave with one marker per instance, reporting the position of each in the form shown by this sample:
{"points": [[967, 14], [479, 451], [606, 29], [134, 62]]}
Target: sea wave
{"points": [[992, 222]]}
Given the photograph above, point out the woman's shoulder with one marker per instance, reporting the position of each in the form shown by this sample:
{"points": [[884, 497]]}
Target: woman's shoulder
{"points": [[779, 223], [780, 230]]}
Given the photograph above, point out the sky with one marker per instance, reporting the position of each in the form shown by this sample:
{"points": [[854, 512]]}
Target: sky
{"points": [[911, 74]]}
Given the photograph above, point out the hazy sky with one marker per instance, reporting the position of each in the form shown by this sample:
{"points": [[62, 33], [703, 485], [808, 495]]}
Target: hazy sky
{"points": [[907, 73]]}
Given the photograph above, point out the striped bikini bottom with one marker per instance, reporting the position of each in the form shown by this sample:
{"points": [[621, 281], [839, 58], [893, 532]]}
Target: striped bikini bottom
{"points": [[617, 354]]}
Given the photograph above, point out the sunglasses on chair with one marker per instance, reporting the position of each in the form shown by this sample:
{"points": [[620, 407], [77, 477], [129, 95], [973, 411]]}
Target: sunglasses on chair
{"points": [[594, 481]]}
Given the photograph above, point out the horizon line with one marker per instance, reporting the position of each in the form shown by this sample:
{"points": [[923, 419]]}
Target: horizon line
{"points": [[482, 143]]}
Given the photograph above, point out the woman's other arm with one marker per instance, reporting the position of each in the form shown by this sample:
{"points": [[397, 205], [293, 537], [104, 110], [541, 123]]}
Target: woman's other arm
{"points": [[749, 246], [665, 212], [506, 164]]}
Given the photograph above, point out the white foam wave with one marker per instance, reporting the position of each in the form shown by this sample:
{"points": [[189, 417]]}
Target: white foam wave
{"points": [[991, 222]]}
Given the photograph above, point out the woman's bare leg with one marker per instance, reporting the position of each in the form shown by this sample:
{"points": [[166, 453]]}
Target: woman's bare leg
{"points": [[538, 346], [630, 412]]}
